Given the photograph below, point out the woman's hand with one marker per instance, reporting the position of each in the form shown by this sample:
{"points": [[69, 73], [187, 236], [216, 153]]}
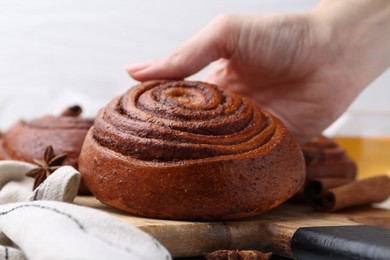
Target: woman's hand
{"points": [[305, 68]]}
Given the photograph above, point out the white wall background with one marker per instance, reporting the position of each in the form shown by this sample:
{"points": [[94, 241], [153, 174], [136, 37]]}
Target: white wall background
{"points": [[56, 53]]}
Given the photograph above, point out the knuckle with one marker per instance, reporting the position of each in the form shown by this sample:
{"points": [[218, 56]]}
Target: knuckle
{"points": [[224, 22], [224, 30]]}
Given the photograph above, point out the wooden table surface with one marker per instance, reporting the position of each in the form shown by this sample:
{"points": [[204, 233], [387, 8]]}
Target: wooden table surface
{"points": [[272, 230]]}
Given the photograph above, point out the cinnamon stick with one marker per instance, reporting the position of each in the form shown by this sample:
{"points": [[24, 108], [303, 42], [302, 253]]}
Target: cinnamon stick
{"points": [[238, 255], [331, 195], [317, 187]]}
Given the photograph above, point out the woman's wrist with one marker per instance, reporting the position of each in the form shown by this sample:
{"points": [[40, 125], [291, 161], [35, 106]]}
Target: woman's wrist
{"points": [[360, 32]]}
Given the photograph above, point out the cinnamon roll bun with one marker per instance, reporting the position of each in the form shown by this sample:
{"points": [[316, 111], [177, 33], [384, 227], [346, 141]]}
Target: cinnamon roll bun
{"points": [[27, 140], [189, 150], [327, 159]]}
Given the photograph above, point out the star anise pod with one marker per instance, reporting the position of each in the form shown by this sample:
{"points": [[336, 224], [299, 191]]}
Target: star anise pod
{"points": [[47, 166], [238, 255], [74, 111]]}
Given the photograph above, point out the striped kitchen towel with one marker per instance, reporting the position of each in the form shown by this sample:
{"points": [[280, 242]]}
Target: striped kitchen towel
{"points": [[42, 224]]}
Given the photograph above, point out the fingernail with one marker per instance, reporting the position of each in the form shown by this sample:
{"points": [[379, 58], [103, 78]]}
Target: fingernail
{"points": [[132, 68]]}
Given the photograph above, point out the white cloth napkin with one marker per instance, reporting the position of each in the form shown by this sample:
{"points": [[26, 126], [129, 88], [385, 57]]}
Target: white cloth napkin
{"points": [[40, 225]]}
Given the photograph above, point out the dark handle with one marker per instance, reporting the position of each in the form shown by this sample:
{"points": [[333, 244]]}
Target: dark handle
{"points": [[341, 242]]}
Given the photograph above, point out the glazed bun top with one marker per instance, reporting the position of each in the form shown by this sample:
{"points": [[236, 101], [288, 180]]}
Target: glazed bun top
{"points": [[170, 121], [27, 140]]}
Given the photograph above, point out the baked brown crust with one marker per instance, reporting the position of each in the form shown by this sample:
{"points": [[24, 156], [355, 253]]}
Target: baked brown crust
{"points": [[189, 150], [326, 159], [27, 140]]}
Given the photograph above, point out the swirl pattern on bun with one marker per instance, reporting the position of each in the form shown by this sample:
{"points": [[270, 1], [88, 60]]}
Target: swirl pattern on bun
{"points": [[189, 150]]}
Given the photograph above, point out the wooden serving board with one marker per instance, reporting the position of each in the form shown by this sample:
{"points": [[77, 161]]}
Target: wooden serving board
{"points": [[271, 231]]}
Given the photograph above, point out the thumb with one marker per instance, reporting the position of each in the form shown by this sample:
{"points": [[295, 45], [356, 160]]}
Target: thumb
{"points": [[216, 40]]}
